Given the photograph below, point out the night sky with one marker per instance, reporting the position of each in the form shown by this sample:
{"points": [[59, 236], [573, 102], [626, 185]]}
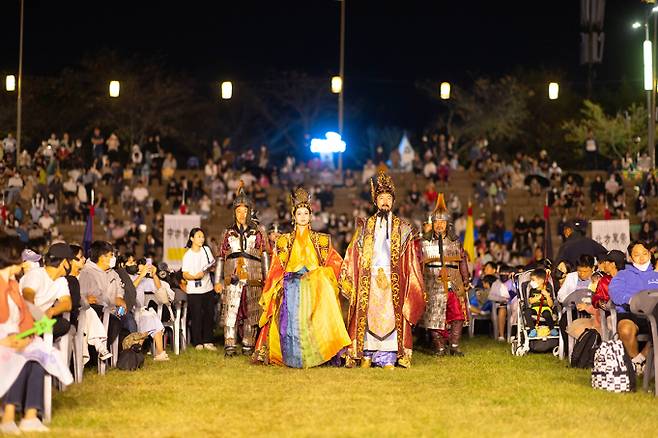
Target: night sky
{"points": [[389, 45]]}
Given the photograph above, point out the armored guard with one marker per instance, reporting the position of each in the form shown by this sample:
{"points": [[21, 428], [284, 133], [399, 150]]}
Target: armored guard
{"points": [[446, 279], [242, 265]]}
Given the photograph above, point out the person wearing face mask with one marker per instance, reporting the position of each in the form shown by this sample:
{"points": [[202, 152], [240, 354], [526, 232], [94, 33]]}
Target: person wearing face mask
{"points": [[381, 276], [302, 324], [143, 277], [540, 302], [637, 276], [101, 287], [48, 289], [25, 361]]}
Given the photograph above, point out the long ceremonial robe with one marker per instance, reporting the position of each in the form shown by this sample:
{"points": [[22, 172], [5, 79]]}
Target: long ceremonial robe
{"points": [[406, 282], [301, 324]]}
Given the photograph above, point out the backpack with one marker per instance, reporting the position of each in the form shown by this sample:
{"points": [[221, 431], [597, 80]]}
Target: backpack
{"points": [[131, 359], [613, 369], [583, 352]]}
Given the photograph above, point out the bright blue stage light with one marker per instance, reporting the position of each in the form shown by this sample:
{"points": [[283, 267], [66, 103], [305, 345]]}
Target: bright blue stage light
{"points": [[332, 143]]}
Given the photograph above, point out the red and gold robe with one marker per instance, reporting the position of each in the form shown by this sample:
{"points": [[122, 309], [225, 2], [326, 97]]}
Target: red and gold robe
{"points": [[406, 282]]}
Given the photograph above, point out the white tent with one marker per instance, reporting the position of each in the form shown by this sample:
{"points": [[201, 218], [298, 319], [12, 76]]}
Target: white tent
{"points": [[406, 154]]}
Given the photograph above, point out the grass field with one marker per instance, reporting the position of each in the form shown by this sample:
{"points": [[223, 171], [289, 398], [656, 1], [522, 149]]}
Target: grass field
{"points": [[486, 393]]}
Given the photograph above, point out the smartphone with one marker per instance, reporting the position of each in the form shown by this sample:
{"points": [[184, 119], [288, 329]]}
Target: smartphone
{"points": [[149, 261]]}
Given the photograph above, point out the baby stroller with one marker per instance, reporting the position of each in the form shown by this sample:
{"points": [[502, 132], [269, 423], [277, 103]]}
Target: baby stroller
{"points": [[521, 342]]}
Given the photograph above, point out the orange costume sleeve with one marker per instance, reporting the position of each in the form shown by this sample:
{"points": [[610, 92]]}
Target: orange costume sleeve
{"points": [[272, 286]]}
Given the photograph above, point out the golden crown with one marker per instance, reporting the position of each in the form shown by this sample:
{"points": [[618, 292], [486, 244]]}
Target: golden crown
{"points": [[300, 198], [384, 184]]}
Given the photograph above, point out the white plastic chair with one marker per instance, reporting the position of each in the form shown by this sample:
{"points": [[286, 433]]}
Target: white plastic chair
{"points": [[48, 387], [643, 304], [114, 348], [78, 348], [568, 306]]}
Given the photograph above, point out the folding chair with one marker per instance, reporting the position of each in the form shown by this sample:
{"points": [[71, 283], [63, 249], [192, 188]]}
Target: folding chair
{"points": [[472, 318], [114, 348], [78, 348], [643, 304], [569, 304], [48, 387]]}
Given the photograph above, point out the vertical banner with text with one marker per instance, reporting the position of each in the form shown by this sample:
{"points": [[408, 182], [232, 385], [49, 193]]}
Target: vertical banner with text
{"points": [[612, 234], [176, 229]]}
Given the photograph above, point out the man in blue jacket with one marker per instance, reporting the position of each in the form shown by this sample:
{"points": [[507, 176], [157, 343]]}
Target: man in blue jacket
{"points": [[636, 277]]}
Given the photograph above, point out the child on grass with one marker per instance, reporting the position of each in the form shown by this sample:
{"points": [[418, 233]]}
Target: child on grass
{"points": [[540, 302]]}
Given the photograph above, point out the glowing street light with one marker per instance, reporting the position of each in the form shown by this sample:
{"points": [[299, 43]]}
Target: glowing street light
{"points": [[445, 90], [330, 144], [648, 65], [553, 90], [336, 84], [636, 25], [115, 88], [10, 83], [227, 90]]}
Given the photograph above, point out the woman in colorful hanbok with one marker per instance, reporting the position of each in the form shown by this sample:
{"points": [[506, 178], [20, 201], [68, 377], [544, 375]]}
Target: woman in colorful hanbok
{"points": [[302, 325]]}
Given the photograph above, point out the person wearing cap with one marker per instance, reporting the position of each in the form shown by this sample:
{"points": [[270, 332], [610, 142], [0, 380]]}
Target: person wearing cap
{"points": [[447, 278], [382, 278], [48, 288], [577, 243], [25, 360], [31, 261], [242, 265], [613, 262]]}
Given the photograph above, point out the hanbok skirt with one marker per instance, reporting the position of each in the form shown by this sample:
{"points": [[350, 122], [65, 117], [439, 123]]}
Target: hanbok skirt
{"points": [[306, 328]]}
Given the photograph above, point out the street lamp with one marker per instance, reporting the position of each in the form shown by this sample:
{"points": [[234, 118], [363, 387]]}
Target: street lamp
{"points": [[115, 88], [10, 83], [445, 90], [648, 52], [227, 90], [336, 84], [553, 90]]}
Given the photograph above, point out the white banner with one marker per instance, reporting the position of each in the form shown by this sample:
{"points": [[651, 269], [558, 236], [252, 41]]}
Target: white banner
{"points": [[176, 230], [612, 234]]}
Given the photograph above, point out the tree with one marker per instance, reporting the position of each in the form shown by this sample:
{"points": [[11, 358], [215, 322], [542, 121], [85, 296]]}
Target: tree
{"points": [[495, 109], [616, 135]]}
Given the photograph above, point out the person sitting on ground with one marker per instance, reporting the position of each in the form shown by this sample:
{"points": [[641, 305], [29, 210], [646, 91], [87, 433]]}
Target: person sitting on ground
{"points": [[48, 289], [636, 277], [540, 302]]}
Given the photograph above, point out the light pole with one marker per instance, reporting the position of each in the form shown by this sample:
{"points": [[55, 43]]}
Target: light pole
{"points": [[19, 98], [341, 73], [649, 55]]}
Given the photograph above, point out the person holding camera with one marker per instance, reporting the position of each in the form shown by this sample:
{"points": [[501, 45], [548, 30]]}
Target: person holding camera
{"points": [[142, 274], [198, 262]]}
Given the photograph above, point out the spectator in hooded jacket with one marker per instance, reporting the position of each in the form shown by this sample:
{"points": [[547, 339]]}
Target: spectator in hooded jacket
{"points": [[636, 277]]}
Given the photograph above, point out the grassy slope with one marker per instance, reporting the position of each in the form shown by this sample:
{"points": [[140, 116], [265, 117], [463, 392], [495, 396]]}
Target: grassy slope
{"points": [[487, 393]]}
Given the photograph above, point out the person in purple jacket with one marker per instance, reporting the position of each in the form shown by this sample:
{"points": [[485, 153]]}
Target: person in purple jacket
{"points": [[636, 277]]}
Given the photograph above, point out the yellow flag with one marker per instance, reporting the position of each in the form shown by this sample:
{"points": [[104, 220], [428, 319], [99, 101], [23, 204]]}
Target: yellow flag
{"points": [[469, 236]]}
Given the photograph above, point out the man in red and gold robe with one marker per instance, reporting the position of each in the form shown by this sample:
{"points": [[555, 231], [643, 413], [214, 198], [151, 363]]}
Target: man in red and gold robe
{"points": [[382, 278]]}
